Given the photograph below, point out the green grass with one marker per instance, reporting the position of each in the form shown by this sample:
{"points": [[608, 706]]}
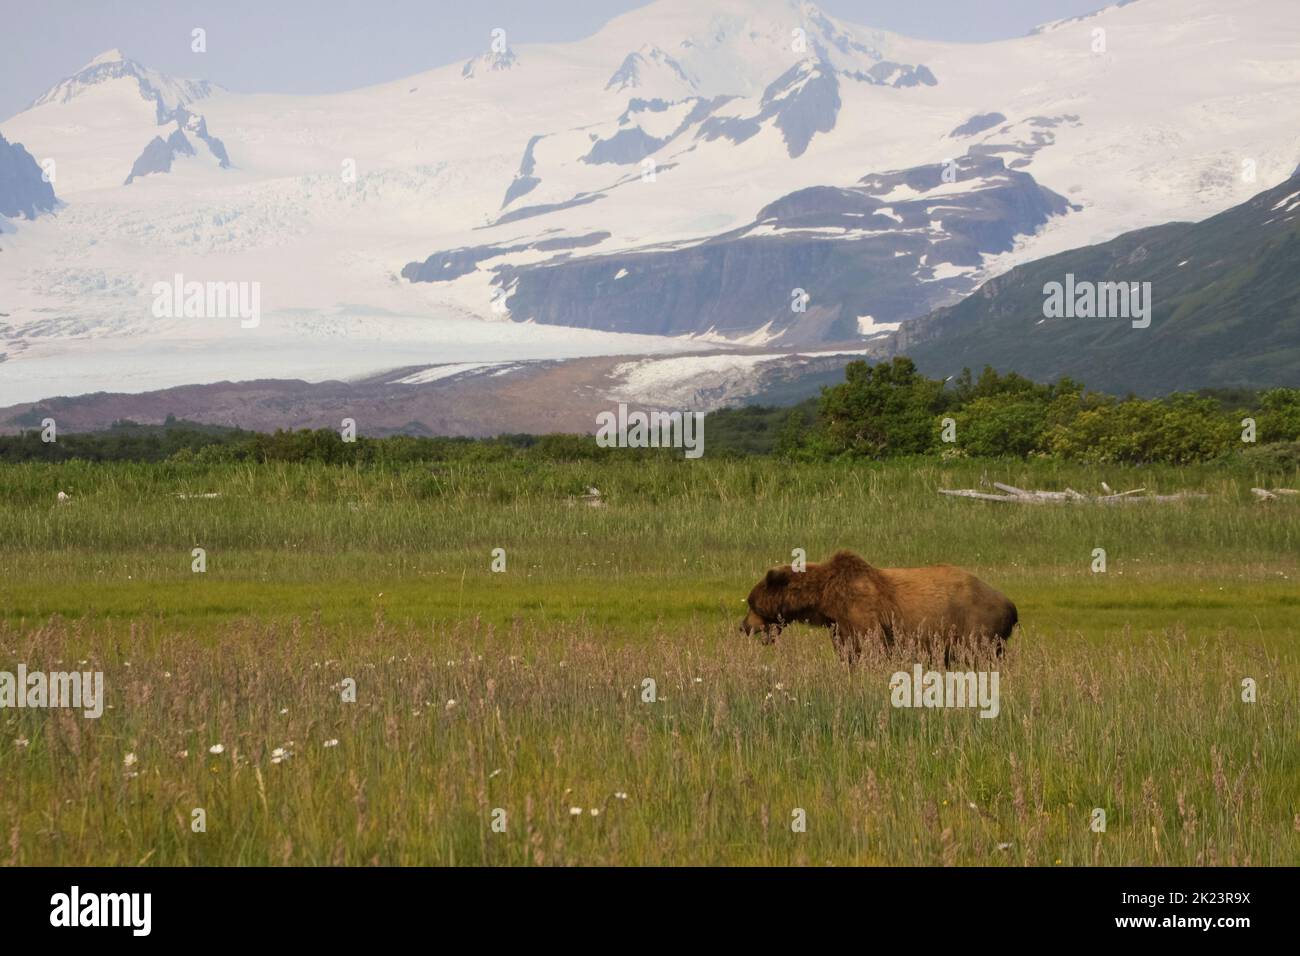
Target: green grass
{"points": [[1120, 691]]}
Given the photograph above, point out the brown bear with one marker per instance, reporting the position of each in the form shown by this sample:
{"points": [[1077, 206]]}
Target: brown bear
{"points": [[859, 602]]}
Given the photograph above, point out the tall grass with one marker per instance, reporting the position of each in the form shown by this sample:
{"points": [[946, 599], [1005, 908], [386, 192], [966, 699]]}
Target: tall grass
{"points": [[1122, 690], [550, 726]]}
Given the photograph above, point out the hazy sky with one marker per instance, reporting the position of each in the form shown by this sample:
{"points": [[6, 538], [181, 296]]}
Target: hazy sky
{"points": [[322, 46]]}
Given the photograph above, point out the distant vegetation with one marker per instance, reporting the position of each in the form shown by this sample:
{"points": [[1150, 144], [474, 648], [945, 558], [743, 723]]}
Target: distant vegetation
{"points": [[890, 409], [882, 411], [186, 441]]}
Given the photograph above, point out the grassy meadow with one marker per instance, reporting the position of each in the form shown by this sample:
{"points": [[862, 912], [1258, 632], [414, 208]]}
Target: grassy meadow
{"points": [[499, 717]]}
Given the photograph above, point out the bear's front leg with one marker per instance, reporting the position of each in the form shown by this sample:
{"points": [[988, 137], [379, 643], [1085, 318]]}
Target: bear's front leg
{"points": [[847, 644]]}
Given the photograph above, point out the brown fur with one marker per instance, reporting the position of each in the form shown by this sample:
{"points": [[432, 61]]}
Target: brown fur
{"points": [[859, 603]]}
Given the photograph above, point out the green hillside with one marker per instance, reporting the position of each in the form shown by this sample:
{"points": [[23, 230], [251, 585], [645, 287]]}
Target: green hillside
{"points": [[1225, 298]]}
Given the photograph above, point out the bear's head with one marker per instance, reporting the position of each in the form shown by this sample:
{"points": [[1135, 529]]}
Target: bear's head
{"points": [[768, 605]]}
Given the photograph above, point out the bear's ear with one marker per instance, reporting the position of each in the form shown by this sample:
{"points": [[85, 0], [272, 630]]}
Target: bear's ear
{"points": [[777, 578]]}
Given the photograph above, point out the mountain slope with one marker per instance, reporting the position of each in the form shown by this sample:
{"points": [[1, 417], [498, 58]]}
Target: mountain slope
{"points": [[679, 174], [462, 398], [1226, 309]]}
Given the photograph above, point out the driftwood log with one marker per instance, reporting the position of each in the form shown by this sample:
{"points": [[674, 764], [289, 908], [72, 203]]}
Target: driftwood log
{"points": [[1264, 494], [1014, 495]]}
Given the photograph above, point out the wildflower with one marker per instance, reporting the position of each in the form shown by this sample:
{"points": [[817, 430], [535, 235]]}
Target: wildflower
{"points": [[129, 760], [217, 749], [450, 704], [620, 795], [575, 811], [21, 742], [595, 811], [332, 743]]}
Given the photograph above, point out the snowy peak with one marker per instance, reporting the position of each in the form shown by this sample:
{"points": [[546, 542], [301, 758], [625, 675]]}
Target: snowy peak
{"points": [[165, 92], [494, 61], [649, 66], [737, 47], [108, 56]]}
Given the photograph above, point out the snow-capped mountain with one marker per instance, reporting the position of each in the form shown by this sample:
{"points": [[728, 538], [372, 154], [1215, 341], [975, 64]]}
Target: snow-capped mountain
{"points": [[115, 120], [164, 92], [698, 171]]}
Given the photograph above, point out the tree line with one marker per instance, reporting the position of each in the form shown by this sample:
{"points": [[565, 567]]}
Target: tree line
{"points": [[879, 411]]}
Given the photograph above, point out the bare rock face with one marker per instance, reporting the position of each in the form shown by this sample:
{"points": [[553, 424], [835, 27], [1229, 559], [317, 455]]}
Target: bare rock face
{"points": [[853, 251], [158, 155], [23, 191]]}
